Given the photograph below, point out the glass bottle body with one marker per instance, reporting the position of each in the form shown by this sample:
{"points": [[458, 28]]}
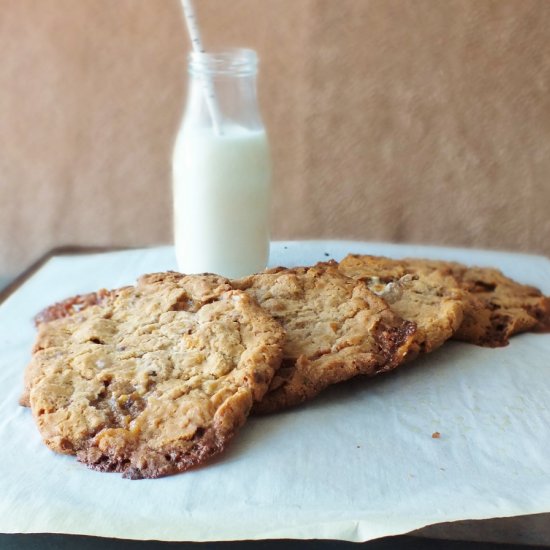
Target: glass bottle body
{"points": [[222, 170]]}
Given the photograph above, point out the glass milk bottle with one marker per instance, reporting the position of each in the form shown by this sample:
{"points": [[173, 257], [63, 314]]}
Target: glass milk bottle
{"points": [[221, 169]]}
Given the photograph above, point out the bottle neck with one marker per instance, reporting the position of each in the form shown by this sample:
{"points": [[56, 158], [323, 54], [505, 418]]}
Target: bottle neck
{"points": [[222, 86]]}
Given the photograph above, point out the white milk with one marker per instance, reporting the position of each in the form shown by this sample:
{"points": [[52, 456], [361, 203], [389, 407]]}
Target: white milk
{"points": [[221, 201]]}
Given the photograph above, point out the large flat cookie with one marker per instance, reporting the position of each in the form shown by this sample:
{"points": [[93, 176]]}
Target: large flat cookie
{"points": [[494, 306], [432, 299], [497, 307], [335, 329], [153, 379]]}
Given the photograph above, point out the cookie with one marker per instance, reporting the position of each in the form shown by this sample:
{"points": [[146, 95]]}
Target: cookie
{"points": [[495, 307], [335, 329], [432, 299], [153, 379]]}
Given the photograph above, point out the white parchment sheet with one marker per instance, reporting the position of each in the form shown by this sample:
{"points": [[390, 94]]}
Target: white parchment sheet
{"points": [[357, 463]]}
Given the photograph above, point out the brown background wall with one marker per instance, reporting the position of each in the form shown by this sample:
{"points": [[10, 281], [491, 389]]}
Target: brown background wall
{"points": [[414, 121]]}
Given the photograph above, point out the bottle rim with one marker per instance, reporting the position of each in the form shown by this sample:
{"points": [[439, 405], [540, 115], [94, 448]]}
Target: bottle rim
{"points": [[232, 61]]}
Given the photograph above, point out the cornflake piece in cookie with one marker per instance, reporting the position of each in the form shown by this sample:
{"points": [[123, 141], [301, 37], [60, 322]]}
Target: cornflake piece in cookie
{"points": [[335, 329], [154, 379], [430, 299]]}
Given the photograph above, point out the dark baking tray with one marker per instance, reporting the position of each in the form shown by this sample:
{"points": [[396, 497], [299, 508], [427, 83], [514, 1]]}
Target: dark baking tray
{"points": [[70, 542]]}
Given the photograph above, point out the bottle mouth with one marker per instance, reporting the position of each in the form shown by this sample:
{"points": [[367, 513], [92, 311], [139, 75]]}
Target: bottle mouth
{"points": [[233, 61]]}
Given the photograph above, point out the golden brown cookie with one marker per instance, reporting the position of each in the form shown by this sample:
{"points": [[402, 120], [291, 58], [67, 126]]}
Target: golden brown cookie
{"points": [[154, 379], [495, 306], [335, 329], [430, 299]]}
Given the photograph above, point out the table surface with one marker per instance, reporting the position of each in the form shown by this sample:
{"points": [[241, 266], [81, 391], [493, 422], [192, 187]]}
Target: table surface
{"points": [[522, 531]]}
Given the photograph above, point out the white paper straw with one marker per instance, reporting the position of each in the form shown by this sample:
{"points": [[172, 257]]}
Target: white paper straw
{"points": [[196, 43]]}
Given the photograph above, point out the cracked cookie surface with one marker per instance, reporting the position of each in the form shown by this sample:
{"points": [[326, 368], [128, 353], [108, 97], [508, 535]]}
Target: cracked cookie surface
{"points": [[335, 329], [153, 379]]}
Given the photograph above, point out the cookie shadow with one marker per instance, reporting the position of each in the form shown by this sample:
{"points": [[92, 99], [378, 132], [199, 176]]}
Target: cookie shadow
{"points": [[261, 429]]}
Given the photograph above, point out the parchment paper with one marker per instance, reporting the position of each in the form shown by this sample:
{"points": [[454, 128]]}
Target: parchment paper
{"points": [[357, 463]]}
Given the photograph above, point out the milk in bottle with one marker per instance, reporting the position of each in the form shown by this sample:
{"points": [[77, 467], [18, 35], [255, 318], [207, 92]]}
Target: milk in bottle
{"points": [[221, 170]]}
